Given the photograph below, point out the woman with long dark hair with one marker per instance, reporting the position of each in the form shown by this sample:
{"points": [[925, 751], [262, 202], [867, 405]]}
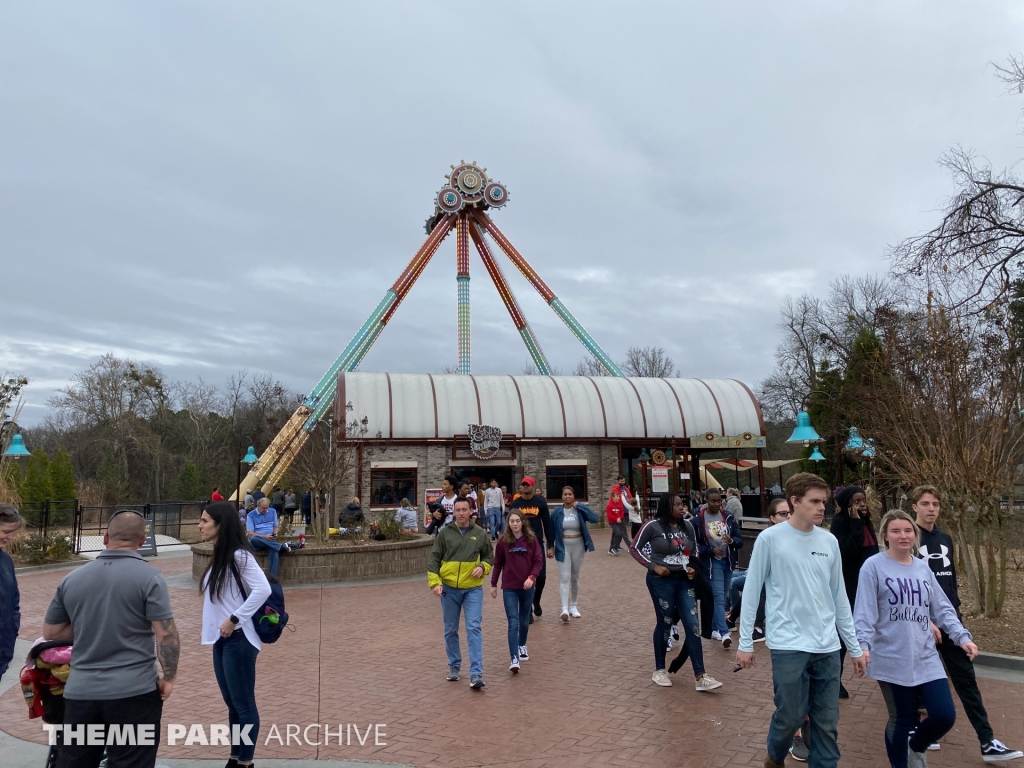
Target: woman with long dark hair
{"points": [[233, 588], [853, 527], [665, 546]]}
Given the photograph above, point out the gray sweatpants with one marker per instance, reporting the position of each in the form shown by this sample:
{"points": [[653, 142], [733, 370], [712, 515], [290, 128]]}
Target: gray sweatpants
{"points": [[569, 571]]}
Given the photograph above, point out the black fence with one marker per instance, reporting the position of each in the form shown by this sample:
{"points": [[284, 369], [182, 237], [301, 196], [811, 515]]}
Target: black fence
{"points": [[46, 518], [174, 522]]}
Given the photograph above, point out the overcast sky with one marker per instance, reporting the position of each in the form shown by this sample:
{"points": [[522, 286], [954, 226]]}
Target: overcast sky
{"points": [[209, 186]]}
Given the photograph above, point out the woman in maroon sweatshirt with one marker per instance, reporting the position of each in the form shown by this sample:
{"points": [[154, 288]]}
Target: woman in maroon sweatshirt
{"points": [[519, 555]]}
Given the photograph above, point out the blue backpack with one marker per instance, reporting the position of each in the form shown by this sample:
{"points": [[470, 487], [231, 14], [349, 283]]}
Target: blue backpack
{"points": [[270, 618]]}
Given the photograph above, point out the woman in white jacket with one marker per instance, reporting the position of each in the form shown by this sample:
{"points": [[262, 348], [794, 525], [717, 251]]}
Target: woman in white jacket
{"points": [[227, 622]]}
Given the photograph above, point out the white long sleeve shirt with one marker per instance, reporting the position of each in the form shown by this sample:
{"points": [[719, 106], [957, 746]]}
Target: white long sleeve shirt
{"points": [[230, 601], [806, 601]]}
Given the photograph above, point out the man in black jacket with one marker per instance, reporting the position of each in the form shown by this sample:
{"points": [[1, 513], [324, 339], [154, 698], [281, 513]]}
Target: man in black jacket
{"points": [[937, 549]]}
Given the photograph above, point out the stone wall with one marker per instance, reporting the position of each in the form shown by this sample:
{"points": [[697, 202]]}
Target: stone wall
{"points": [[379, 560]]}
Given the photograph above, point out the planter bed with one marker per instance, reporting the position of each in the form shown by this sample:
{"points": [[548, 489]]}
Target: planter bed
{"points": [[340, 561]]}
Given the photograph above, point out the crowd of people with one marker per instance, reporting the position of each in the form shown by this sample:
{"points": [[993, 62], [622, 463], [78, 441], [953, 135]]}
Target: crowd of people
{"points": [[884, 595]]}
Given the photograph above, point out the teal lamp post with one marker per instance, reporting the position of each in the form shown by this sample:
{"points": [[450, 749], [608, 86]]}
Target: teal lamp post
{"points": [[17, 448], [855, 442], [816, 455], [869, 451], [804, 432], [249, 458]]}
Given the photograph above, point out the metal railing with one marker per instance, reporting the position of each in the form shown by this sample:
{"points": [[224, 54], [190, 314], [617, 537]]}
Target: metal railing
{"points": [[174, 522], [50, 518]]}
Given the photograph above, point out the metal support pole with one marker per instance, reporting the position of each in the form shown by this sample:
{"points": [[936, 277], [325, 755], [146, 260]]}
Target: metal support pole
{"points": [[462, 279], [505, 291], [760, 481], [547, 294]]}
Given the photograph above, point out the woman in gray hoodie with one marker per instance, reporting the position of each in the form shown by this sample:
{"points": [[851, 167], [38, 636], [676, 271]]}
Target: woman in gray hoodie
{"points": [[899, 604]]}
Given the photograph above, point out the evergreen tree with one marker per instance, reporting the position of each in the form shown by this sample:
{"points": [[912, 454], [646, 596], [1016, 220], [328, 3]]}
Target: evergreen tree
{"points": [[36, 486], [190, 483], [62, 477]]}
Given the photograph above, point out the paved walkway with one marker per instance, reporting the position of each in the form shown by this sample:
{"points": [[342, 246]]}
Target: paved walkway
{"points": [[363, 655]]}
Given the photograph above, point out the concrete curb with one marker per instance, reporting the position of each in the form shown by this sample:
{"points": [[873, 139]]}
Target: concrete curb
{"points": [[70, 564], [1000, 661]]}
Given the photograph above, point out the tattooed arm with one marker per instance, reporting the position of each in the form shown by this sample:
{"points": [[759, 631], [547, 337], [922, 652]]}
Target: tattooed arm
{"points": [[168, 649]]}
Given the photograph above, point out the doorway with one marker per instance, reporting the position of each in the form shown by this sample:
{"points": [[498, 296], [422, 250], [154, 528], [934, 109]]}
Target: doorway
{"points": [[481, 476]]}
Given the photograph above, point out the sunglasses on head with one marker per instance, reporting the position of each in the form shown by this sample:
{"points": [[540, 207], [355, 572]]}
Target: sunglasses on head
{"points": [[122, 511]]}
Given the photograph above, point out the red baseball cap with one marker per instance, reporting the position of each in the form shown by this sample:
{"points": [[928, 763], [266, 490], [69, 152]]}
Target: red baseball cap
{"points": [[528, 481]]}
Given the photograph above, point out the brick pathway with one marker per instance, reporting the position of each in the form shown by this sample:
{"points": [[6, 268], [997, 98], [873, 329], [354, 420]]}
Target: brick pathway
{"points": [[375, 654]]}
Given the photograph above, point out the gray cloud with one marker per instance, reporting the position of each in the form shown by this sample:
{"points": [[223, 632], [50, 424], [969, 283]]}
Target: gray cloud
{"points": [[211, 186]]}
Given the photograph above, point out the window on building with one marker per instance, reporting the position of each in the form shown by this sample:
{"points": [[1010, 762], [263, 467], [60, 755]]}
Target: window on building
{"points": [[390, 486], [559, 477]]}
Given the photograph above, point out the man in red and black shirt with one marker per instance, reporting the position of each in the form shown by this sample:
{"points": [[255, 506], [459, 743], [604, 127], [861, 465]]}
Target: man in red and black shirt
{"points": [[535, 509]]}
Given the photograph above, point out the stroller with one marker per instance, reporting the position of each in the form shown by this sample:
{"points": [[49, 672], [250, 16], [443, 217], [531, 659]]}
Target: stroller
{"points": [[43, 677]]}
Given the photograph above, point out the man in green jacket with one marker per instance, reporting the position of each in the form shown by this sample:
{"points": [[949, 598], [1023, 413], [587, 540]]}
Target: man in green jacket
{"points": [[458, 563]]}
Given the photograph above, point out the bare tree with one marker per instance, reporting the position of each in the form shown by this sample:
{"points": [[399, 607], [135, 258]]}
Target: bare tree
{"points": [[327, 460], [976, 250], [529, 369], [819, 338], [10, 407], [942, 402], [649, 361], [589, 366]]}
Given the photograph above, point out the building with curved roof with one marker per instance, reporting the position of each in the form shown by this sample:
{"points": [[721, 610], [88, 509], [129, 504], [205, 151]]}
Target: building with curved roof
{"points": [[411, 430]]}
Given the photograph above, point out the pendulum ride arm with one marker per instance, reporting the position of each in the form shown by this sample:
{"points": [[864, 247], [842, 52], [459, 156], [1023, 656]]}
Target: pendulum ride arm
{"points": [[505, 291], [293, 435], [547, 294], [462, 280]]}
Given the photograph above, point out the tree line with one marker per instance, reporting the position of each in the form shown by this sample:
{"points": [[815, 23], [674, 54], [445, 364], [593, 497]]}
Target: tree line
{"points": [[928, 363]]}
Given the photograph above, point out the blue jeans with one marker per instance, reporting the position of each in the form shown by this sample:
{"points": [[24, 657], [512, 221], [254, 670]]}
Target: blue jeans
{"points": [[494, 520], [471, 602], [739, 580], [902, 702], [674, 600], [721, 579], [806, 685], [271, 546], [517, 610], [234, 665]]}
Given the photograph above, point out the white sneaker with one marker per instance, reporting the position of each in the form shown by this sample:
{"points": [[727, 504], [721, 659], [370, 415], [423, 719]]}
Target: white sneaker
{"points": [[565, 615], [707, 683], [660, 677], [916, 759], [524, 655], [575, 612], [514, 666], [716, 635], [726, 640]]}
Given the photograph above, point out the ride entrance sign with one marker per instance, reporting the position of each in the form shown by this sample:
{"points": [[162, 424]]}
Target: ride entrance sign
{"points": [[148, 549]]}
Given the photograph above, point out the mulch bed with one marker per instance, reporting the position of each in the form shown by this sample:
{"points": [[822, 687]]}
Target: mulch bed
{"points": [[1001, 635]]}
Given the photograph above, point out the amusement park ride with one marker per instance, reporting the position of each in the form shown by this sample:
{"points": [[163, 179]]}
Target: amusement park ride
{"points": [[461, 205]]}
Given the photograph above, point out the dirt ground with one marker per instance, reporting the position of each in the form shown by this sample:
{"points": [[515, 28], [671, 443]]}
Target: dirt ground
{"points": [[1002, 635]]}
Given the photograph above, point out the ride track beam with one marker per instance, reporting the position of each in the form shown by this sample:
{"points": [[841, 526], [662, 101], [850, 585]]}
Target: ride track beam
{"points": [[462, 281], [546, 293], [505, 291], [289, 440]]}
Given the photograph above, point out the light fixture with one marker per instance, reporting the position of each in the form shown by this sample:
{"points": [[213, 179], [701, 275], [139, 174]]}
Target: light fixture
{"points": [[869, 451], [17, 448], [855, 441], [804, 432], [644, 455], [816, 455], [250, 456]]}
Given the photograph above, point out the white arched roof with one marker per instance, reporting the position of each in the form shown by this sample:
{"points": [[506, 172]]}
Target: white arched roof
{"points": [[425, 406]]}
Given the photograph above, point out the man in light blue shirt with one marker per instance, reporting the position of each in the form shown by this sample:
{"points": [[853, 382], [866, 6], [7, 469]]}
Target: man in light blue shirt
{"points": [[261, 528], [800, 567]]}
